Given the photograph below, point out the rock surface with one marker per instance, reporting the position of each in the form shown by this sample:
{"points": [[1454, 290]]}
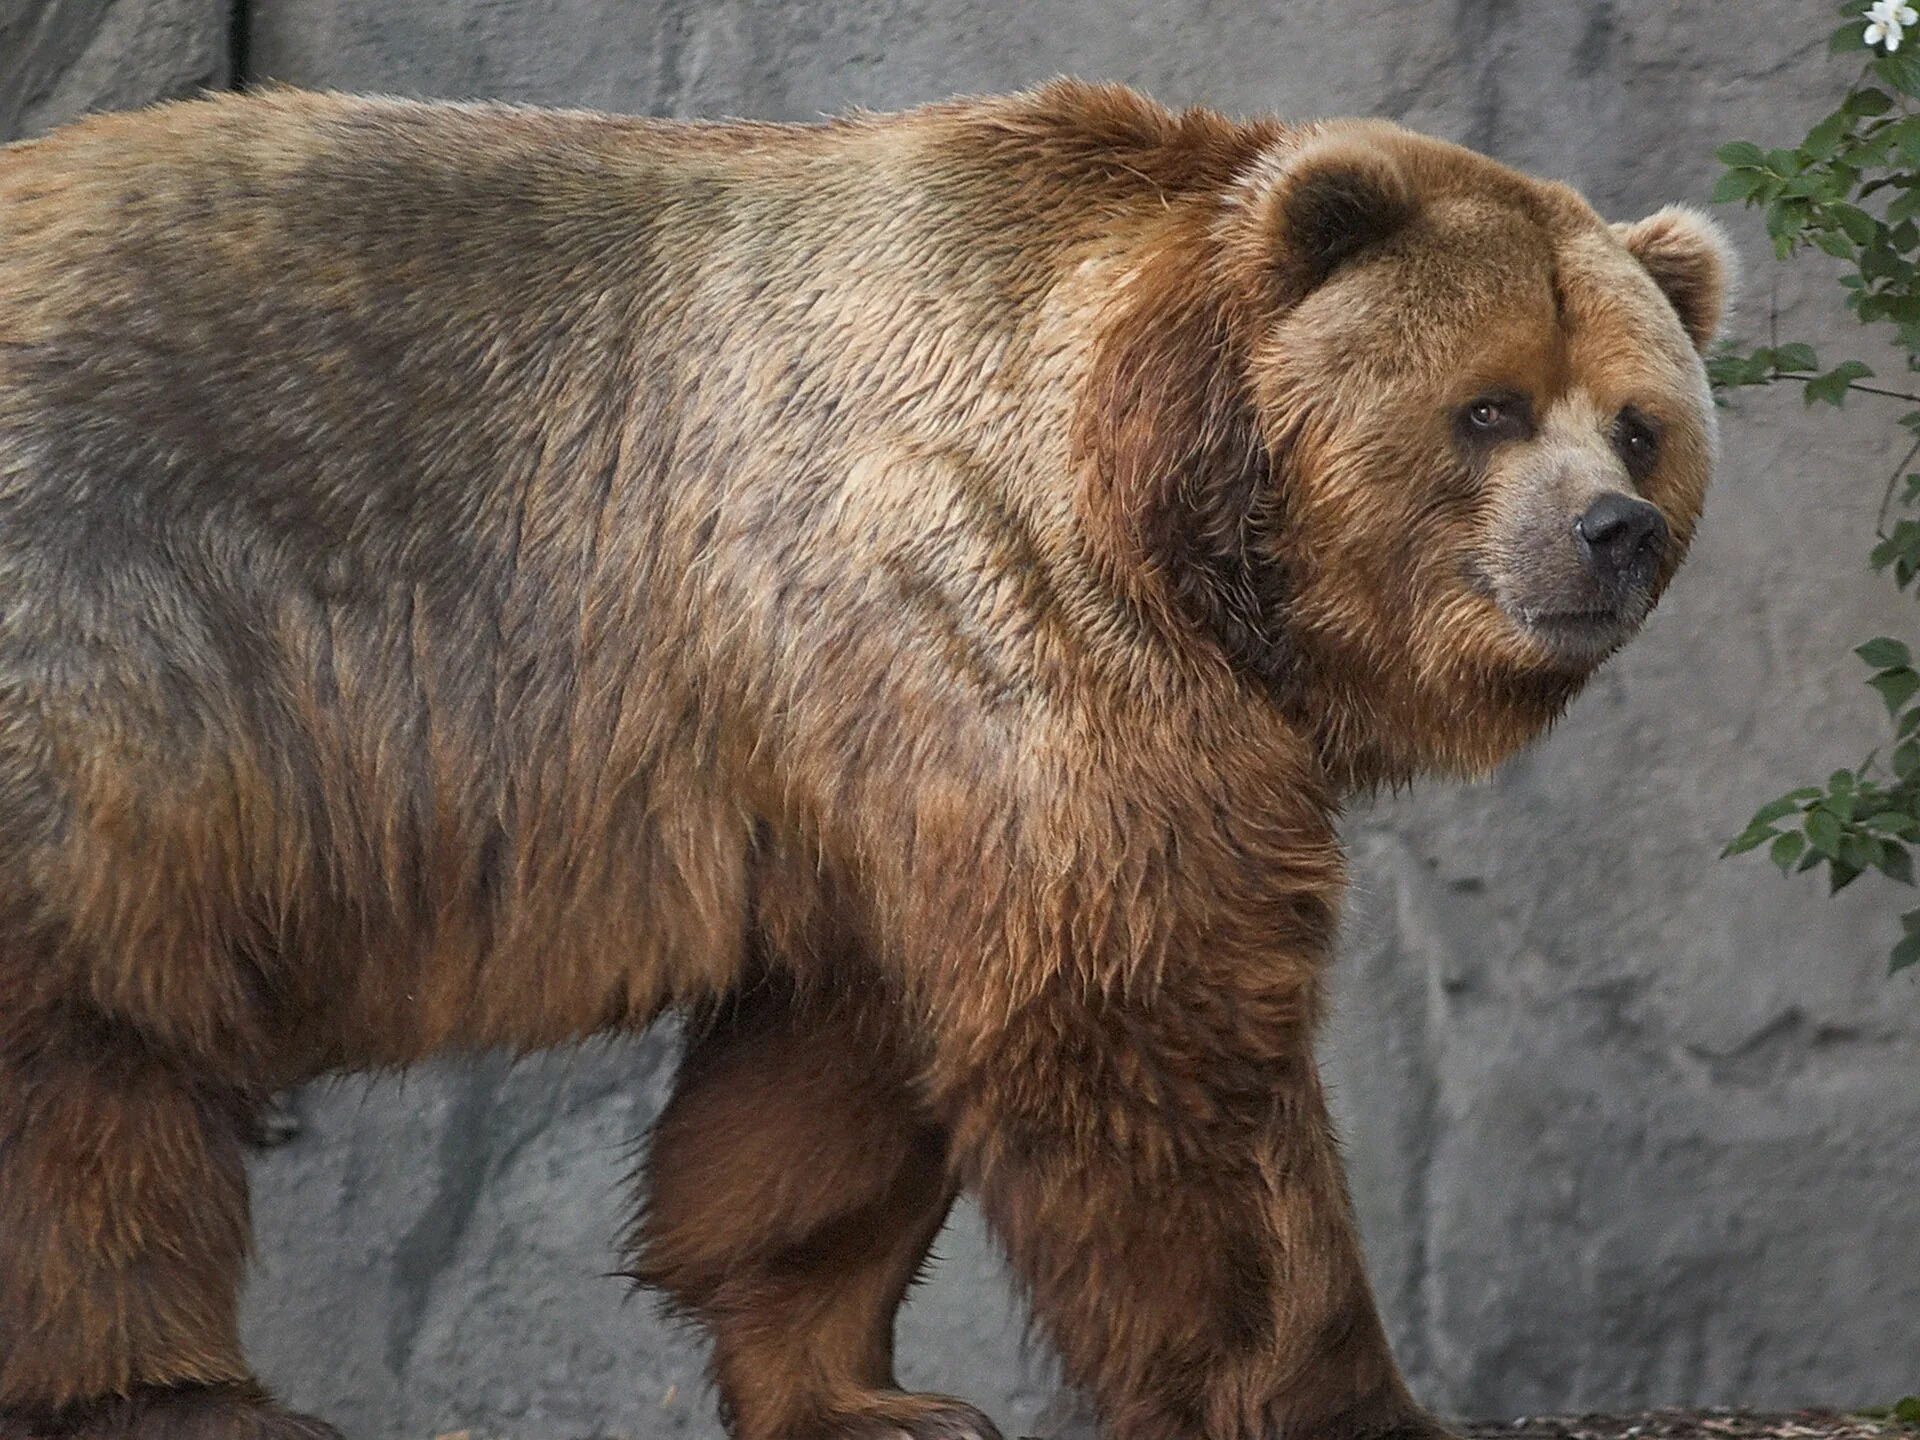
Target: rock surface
{"points": [[62, 59], [1628, 1125]]}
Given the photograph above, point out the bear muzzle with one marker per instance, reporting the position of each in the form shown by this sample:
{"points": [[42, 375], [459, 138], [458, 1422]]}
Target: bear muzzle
{"points": [[1580, 584]]}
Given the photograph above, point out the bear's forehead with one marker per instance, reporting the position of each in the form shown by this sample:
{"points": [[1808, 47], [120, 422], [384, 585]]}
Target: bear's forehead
{"points": [[1590, 319], [1481, 289]]}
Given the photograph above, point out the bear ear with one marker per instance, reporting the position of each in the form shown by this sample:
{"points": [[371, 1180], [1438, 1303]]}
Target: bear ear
{"points": [[1690, 260], [1338, 193]]}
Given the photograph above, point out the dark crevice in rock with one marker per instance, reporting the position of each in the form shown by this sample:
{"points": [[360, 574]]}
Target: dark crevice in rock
{"points": [[240, 45]]}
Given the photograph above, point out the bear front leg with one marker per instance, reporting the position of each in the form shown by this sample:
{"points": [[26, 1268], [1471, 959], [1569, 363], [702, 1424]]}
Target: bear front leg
{"points": [[794, 1186], [1163, 1173], [123, 1233]]}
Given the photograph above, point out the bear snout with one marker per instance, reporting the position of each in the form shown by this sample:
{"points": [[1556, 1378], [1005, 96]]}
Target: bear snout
{"points": [[1621, 541], [1580, 576]]}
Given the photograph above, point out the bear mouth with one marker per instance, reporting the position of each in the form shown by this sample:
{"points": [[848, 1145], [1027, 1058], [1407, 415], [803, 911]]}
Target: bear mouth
{"points": [[1584, 635], [1573, 633]]}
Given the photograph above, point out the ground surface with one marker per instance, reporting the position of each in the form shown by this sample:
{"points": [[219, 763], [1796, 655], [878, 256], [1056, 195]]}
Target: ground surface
{"points": [[1628, 1425], [1632, 1425], [1697, 1425]]}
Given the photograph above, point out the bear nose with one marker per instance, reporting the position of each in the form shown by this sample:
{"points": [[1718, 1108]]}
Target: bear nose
{"points": [[1620, 535]]}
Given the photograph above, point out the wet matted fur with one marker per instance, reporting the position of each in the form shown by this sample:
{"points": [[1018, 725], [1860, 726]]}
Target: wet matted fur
{"points": [[913, 590]]}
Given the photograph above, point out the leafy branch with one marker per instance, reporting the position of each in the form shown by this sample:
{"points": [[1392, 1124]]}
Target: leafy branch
{"points": [[1851, 190]]}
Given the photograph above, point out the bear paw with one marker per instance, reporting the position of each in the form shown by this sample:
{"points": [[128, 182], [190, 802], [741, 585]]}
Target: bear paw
{"points": [[914, 1417]]}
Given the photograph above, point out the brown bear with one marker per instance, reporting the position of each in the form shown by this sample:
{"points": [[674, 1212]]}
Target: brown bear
{"points": [[913, 592]]}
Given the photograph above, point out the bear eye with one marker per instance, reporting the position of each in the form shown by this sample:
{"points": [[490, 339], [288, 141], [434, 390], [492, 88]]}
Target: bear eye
{"points": [[1637, 440], [1492, 418]]}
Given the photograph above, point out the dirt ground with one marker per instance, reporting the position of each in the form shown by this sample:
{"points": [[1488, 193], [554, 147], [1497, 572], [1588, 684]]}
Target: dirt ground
{"points": [[1074, 1423], [1697, 1425]]}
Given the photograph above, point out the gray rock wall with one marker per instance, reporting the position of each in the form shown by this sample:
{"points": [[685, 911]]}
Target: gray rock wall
{"points": [[1627, 1125], [62, 58]]}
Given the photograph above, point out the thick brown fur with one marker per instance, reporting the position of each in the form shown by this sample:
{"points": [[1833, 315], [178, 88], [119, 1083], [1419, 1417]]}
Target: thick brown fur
{"points": [[913, 591]]}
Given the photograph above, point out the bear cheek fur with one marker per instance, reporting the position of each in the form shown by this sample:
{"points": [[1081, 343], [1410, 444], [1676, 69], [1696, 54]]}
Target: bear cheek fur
{"points": [[1414, 668]]}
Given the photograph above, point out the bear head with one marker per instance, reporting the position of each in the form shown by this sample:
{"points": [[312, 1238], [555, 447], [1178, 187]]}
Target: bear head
{"points": [[1418, 444]]}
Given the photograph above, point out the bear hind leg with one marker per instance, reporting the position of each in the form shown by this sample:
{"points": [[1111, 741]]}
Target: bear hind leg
{"points": [[793, 1194]]}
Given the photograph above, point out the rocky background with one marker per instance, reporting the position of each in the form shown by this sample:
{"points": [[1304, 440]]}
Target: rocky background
{"points": [[1628, 1125]]}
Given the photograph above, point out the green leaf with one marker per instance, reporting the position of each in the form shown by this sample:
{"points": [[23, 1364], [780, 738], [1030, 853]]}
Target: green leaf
{"points": [[1907, 1409], [1737, 185], [1737, 153], [1823, 833], [1897, 71], [1896, 687], [1835, 245], [1906, 953], [1893, 822], [1824, 138], [1902, 543], [1832, 386], [1859, 225], [1729, 367], [1859, 853], [1867, 101], [1883, 653], [1850, 37], [1891, 301], [1896, 863], [1901, 208], [1774, 810], [1785, 217], [1797, 358], [1751, 838], [1841, 875], [1787, 849]]}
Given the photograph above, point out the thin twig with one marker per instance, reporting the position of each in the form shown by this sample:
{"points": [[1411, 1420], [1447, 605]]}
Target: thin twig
{"points": [[1879, 390], [1886, 498], [1779, 375]]}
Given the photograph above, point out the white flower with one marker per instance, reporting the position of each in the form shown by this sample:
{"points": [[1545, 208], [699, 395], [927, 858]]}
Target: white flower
{"points": [[1887, 21]]}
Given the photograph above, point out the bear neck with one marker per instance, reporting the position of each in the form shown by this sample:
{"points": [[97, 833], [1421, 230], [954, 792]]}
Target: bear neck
{"points": [[1374, 729]]}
